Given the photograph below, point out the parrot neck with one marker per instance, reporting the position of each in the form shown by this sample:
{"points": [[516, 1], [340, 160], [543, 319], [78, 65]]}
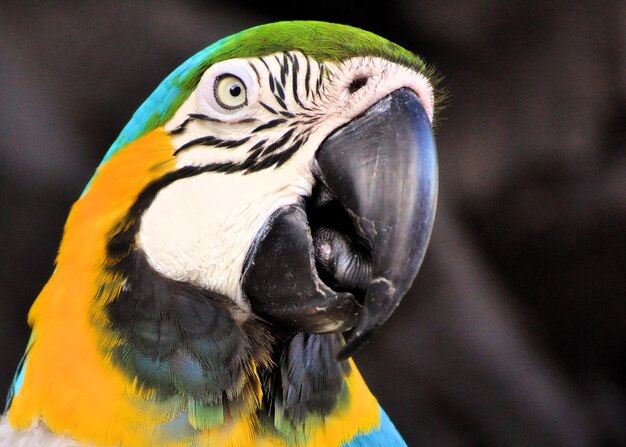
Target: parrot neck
{"points": [[121, 355]]}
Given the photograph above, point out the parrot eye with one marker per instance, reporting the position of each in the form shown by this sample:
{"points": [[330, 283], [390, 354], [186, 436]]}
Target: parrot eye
{"points": [[230, 92]]}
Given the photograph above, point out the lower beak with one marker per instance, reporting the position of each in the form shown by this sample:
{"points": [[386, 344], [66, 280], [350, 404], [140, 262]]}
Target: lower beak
{"points": [[344, 260]]}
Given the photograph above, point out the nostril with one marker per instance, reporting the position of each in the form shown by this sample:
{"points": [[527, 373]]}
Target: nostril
{"points": [[357, 84]]}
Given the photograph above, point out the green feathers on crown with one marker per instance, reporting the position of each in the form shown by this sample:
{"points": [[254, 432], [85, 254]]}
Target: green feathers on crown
{"points": [[320, 40]]}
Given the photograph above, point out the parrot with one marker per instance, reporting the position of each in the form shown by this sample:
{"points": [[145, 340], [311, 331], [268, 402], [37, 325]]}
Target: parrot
{"points": [[260, 216]]}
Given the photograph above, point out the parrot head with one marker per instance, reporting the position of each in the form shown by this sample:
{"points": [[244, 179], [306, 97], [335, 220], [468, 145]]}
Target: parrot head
{"points": [[261, 215]]}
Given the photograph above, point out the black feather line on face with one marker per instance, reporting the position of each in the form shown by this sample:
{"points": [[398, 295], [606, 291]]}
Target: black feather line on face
{"points": [[284, 67], [181, 128], [268, 108], [209, 140], [307, 76], [272, 83], [280, 91], [269, 124], [258, 76], [190, 119], [293, 59], [251, 163], [280, 102], [286, 155], [280, 142], [257, 147], [294, 83], [320, 78], [277, 159]]}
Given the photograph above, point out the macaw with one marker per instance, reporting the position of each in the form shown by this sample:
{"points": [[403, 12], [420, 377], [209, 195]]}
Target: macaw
{"points": [[260, 216]]}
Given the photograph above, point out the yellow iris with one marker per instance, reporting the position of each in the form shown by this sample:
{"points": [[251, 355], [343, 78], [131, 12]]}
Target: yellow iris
{"points": [[230, 92]]}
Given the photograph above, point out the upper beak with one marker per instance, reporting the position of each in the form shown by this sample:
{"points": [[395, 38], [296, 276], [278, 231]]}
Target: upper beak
{"points": [[344, 260]]}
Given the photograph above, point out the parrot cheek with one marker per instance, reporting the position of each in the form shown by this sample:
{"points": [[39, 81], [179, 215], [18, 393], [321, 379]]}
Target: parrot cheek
{"points": [[199, 229], [342, 259]]}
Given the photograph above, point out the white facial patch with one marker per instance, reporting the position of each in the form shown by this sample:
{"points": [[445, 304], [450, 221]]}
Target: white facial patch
{"points": [[256, 158], [199, 229]]}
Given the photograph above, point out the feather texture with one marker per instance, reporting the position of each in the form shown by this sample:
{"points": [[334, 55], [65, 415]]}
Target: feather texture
{"points": [[36, 436], [123, 355]]}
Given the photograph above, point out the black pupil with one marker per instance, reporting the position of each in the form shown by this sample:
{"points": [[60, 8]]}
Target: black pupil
{"points": [[235, 90]]}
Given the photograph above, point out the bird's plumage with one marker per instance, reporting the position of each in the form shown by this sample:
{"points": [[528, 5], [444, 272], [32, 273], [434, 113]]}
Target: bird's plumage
{"points": [[142, 335]]}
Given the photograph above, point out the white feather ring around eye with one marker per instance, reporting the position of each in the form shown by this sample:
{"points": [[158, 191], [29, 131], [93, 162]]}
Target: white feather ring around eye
{"points": [[228, 91]]}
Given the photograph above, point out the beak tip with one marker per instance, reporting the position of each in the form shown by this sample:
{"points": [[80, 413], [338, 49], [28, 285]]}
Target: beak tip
{"points": [[396, 214]]}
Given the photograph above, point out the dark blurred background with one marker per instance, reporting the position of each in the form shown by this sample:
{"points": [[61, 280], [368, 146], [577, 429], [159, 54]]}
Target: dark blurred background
{"points": [[515, 331]]}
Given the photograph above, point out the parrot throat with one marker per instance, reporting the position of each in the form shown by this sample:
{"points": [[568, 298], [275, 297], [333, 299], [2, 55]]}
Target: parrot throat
{"points": [[179, 340], [163, 362]]}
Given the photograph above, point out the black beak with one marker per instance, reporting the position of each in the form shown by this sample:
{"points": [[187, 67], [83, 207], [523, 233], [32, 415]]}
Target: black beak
{"points": [[344, 260]]}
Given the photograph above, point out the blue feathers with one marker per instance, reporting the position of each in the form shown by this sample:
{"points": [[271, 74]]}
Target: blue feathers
{"points": [[18, 380], [385, 436]]}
